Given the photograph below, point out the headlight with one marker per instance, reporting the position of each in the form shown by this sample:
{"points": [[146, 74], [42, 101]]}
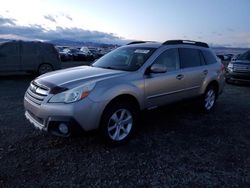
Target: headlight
{"points": [[74, 94], [230, 67]]}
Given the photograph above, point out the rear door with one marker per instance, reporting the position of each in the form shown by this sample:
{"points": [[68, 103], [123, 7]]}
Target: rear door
{"points": [[29, 56], [193, 69], [9, 57]]}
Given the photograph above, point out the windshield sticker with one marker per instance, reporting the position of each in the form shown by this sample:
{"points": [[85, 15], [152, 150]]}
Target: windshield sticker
{"points": [[141, 51]]}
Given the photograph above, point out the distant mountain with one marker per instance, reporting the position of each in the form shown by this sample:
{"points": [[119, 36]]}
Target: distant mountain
{"points": [[72, 43], [80, 43], [227, 50], [4, 40], [62, 42]]}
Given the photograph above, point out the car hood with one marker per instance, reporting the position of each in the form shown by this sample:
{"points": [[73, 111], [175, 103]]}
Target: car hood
{"points": [[244, 62], [72, 77]]}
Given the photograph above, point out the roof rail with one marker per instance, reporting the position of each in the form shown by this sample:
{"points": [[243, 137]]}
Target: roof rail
{"points": [[195, 43], [136, 42]]}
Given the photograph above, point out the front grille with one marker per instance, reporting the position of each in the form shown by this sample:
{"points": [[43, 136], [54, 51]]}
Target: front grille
{"points": [[36, 93], [241, 68]]}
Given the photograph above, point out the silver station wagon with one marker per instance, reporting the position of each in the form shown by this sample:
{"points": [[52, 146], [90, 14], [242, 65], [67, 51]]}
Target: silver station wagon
{"points": [[109, 94]]}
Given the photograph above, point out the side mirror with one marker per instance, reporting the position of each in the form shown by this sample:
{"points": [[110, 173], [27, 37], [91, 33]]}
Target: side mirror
{"points": [[158, 68]]}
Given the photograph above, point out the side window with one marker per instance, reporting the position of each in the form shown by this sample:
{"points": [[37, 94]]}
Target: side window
{"points": [[202, 60], [189, 57], [29, 48], [170, 58], [9, 49], [209, 57]]}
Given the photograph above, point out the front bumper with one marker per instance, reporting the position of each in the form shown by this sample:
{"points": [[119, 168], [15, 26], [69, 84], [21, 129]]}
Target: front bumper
{"points": [[85, 114], [33, 120], [235, 76]]}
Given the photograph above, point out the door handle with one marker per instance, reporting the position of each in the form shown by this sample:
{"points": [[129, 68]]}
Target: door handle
{"points": [[180, 76], [205, 72]]}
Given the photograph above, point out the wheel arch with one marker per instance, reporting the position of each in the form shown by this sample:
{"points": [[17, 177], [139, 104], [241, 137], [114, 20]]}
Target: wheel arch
{"points": [[209, 83], [214, 84], [44, 63], [127, 98], [123, 98]]}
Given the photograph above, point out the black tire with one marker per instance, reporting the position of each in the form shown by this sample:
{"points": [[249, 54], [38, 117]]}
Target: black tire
{"points": [[119, 131], [44, 68], [229, 81], [208, 99]]}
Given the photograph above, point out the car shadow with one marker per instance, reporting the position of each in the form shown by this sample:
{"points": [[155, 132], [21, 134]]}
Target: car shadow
{"points": [[19, 76]]}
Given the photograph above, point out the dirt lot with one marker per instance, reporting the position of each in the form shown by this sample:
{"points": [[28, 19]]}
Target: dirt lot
{"points": [[175, 146]]}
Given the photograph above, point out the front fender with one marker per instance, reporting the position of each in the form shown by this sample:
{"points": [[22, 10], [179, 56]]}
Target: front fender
{"points": [[108, 93]]}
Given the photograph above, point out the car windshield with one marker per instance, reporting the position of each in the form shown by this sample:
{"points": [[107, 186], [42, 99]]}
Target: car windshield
{"points": [[245, 56], [125, 58]]}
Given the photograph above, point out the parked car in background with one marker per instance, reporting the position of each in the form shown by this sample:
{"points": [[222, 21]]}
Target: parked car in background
{"points": [[221, 57], [235, 57], [239, 70], [88, 56], [65, 54], [96, 53], [225, 57], [27, 56], [109, 94], [76, 54], [228, 57]]}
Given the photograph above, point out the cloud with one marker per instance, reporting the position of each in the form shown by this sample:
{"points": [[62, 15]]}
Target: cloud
{"points": [[38, 32], [68, 17], [7, 21], [50, 18]]}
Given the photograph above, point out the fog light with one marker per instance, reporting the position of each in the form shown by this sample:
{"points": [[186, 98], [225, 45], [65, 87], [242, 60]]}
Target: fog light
{"points": [[63, 128]]}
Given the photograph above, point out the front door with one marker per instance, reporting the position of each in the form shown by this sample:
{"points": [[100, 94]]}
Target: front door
{"points": [[164, 88]]}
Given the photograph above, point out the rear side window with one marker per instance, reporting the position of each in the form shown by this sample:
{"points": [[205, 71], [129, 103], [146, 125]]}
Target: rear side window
{"points": [[29, 48], [47, 48], [10, 49], [189, 57], [209, 57]]}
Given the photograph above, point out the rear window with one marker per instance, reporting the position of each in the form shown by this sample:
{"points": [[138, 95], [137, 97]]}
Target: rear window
{"points": [[47, 48], [28, 48], [209, 57], [189, 57]]}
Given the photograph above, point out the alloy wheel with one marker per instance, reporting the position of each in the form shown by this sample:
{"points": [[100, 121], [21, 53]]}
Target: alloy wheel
{"points": [[210, 99], [120, 124]]}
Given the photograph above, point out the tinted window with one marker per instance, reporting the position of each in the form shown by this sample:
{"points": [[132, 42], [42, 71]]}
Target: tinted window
{"points": [[29, 48], [202, 60], [9, 49], [170, 58], [189, 57], [248, 56], [49, 48], [245, 56], [209, 57]]}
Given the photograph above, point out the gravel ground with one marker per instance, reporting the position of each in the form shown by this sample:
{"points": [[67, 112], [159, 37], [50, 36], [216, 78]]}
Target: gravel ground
{"points": [[175, 146]]}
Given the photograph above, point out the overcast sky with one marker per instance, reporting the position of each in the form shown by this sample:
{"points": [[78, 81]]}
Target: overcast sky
{"points": [[218, 22]]}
